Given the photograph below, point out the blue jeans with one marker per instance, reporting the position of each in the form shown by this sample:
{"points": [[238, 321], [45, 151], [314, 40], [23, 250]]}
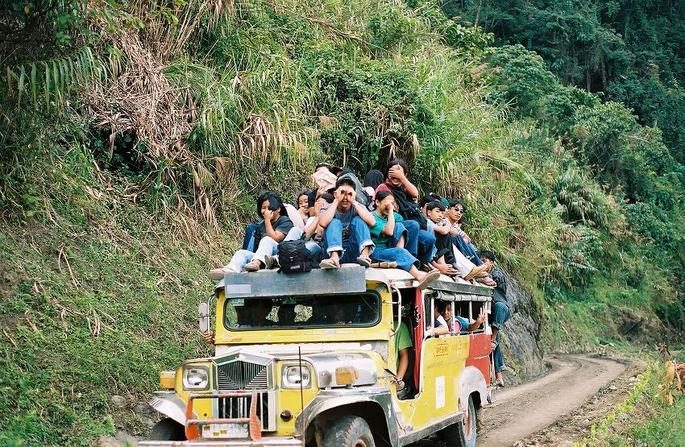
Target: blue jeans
{"points": [[468, 250], [500, 314], [420, 243], [352, 246], [404, 260], [399, 231], [248, 240], [267, 247]]}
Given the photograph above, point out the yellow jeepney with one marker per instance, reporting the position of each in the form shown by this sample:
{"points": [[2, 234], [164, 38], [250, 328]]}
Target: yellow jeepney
{"points": [[310, 360]]}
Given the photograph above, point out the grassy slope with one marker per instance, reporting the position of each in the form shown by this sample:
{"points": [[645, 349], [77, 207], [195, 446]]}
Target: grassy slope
{"points": [[91, 311]]}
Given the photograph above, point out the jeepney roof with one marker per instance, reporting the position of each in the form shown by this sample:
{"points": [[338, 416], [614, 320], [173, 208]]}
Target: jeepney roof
{"points": [[350, 278]]}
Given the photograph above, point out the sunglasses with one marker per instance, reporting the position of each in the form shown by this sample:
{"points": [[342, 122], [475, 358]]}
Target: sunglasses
{"points": [[459, 210]]}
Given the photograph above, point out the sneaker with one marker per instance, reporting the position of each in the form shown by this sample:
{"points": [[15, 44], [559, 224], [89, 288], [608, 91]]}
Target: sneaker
{"points": [[253, 266], [218, 274]]}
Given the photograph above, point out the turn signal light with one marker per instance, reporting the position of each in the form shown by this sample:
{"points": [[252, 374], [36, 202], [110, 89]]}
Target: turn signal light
{"points": [[167, 380]]}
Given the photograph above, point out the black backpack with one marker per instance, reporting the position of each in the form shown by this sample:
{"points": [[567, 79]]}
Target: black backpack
{"points": [[409, 209], [294, 257]]}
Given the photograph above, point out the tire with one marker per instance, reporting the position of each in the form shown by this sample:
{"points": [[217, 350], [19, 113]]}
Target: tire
{"points": [[168, 430], [464, 433], [348, 431]]}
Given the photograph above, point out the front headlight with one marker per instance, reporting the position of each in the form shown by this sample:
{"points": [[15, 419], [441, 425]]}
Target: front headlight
{"points": [[294, 376], [195, 377]]}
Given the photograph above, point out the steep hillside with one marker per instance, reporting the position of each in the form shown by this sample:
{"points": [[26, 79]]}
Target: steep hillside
{"points": [[136, 135]]}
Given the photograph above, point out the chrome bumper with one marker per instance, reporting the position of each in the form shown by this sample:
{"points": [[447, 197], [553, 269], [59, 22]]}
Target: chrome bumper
{"points": [[265, 442]]}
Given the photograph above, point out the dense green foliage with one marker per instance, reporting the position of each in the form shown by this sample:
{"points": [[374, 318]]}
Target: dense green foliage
{"points": [[151, 128], [633, 52]]}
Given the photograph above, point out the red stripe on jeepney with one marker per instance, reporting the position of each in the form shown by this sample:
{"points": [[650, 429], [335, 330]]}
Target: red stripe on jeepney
{"points": [[479, 354]]}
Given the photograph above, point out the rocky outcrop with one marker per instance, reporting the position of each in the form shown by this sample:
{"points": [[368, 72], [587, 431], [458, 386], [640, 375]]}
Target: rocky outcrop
{"points": [[520, 339]]}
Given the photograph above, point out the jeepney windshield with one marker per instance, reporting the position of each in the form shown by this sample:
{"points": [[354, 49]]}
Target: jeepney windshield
{"points": [[291, 312]]}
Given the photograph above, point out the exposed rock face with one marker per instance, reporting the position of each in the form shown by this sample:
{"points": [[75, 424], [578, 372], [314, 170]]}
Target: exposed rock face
{"points": [[520, 339]]}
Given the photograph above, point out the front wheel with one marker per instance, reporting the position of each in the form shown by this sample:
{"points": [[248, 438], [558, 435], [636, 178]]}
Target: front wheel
{"points": [[464, 433], [348, 431], [168, 430]]}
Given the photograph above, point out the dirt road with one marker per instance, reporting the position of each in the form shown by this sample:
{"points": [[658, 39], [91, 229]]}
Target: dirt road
{"points": [[526, 412]]}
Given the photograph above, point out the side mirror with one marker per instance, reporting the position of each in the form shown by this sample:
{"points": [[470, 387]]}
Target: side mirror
{"points": [[203, 317]]}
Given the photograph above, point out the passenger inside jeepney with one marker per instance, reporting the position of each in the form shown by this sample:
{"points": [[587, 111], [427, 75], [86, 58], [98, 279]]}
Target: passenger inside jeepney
{"points": [[457, 323], [254, 312], [356, 310], [441, 325], [286, 314]]}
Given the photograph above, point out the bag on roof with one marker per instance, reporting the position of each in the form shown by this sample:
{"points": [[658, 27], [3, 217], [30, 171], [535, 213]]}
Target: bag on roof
{"points": [[409, 209], [294, 257]]}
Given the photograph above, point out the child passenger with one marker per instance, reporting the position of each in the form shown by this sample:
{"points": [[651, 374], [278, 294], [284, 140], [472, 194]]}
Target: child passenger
{"points": [[268, 233], [389, 237]]}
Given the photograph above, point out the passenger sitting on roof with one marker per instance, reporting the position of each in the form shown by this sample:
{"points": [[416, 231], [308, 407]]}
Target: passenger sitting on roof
{"points": [[312, 232], [420, 241], [269, 232], [446, 245], [390, 236], [303, 205], [442, 257], [372, 180], [429, 198], [324, 177], [346, 223], [455, 212]]}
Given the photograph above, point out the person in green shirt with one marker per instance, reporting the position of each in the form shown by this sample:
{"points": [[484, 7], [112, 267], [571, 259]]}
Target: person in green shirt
{"points": [[403, 347], [389, 236]]}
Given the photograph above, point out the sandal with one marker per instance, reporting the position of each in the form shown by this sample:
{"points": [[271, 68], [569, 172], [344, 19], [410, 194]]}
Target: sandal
{"points": [[429, 278], [384, 265], [364, 261], [487, 281], [329, 264]]}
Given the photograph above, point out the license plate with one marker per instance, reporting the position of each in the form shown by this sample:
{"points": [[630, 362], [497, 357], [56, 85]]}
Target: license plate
{"points": [[225, 431]]}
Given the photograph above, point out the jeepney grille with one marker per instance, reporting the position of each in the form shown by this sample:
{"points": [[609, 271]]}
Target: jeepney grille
{"points": [[239, 407], [241, 375]]}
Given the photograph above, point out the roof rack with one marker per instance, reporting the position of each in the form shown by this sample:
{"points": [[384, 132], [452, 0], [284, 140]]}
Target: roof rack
{"points": [[268, 283], [350, 278]]}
